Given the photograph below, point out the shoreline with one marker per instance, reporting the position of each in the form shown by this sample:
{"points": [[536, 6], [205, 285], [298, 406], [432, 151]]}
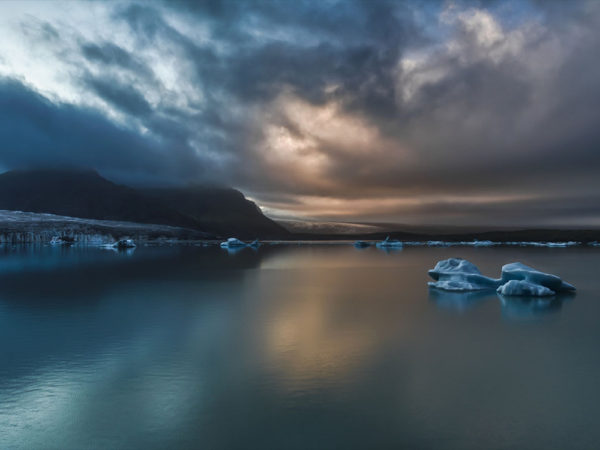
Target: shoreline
{"points": [[17, 227]]}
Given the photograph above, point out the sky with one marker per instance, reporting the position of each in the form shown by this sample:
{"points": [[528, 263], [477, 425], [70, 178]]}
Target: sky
{"points": [[416, 112]]}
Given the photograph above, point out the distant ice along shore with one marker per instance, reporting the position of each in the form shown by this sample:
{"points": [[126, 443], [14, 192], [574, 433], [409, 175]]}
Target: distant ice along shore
{"points": [[476, 243], [18, 227]]}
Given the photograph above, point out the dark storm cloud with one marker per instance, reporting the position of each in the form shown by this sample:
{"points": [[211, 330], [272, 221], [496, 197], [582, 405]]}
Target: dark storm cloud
{"points": [[124, 97], [485, 123], [492, 98], [561, 210], [37, 132], [109, 54], [306, 45]]}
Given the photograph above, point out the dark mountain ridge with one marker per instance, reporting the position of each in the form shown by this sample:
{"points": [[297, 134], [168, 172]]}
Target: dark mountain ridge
{"points": [[86, 194], [220, 210]]}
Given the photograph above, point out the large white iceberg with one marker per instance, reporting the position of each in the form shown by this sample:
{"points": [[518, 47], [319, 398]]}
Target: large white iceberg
{"points": [[457, 274]]}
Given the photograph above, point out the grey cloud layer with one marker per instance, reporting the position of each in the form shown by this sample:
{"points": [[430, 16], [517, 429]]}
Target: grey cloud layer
{"points": [[491, 98]]}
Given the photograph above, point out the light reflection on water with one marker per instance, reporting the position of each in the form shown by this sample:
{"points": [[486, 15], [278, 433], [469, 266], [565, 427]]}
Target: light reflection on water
{"points": [[291, 347]]}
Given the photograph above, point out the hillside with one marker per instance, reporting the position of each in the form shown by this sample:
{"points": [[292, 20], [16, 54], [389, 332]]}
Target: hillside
{"points": [[224, 211], [86, 194]]}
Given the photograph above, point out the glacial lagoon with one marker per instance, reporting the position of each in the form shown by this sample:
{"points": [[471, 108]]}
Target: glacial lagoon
{"points": [[292, 347]]}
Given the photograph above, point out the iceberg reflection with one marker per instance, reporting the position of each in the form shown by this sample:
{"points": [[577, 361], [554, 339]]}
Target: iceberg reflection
{"points": [[513, 308], [459, 301], [527, 308]]}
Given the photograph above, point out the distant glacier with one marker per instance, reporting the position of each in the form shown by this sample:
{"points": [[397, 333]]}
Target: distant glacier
{"points": [[18, 227]]}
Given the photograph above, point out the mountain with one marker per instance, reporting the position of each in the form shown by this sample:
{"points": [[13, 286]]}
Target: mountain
{"points": [[223, 211], [82, 193], [86, 194]]}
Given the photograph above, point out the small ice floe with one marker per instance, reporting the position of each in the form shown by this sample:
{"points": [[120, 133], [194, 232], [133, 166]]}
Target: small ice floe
{"points": [[254, 244], [362, 244], [124, 243], [438, 244], [457, 274], [564, 244], [477, 243], [522, 288], [474, 243], [390, 243], [487, 243], [594, 243], [56, 240], [233, 243], [62, 240]]}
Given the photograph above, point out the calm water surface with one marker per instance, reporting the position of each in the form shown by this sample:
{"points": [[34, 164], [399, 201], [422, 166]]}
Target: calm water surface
{"points": [[292, 347]]}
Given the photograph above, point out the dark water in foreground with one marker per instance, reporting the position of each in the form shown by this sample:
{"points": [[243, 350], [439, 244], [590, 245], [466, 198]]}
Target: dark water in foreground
{"points": [[323, 347]]}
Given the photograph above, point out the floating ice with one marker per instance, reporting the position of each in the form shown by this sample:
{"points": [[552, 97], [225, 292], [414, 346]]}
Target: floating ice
{"points": [[438, 244], [487, 243], [524, 288], [521, 272], [457, 274], [389, 243], [124, 243], [61, 240], [543, 244], [474, 243], [233, 243], [477, 243], [562, 244]]}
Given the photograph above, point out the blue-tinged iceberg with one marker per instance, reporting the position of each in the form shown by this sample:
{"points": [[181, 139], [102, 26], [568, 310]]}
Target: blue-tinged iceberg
{"points": [[62, 240], [457, 274], [233, 243], [389, 243], [524, 288], [124, 243], [520, 272]]}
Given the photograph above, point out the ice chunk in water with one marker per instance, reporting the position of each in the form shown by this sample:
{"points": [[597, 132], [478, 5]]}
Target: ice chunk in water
{"points": [[457, 274], [524, 288]]}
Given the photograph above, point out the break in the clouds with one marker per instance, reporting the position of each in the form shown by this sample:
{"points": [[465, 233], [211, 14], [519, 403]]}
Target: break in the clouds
{"points": [[460, 112]]}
